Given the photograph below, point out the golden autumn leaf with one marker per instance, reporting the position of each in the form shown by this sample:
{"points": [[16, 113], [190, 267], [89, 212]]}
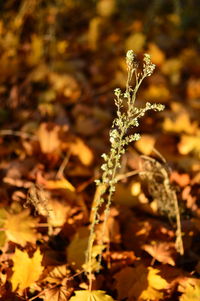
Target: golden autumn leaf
{"points": [[82, 151], [136, 42], [26, 270], [36, 50], [91, 296], [59, 184], [189, 144], [140, 283], [106, 8], [157, 92], [192, 293], [181, 123], [19, 227], [145, 144], [157, 55]]}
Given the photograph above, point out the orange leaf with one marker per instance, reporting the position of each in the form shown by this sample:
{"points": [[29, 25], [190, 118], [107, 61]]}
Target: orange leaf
{"points": [[80, 149]]}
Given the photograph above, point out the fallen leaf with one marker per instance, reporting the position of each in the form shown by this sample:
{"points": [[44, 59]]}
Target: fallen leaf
{"points": [[59, 184], [58, 293], [105, 8], [157, 92], [136, 42], [77, 248], [157, 55], [26, 270], [48, 135], [145, 144], [192, 293], [161, 251], [19, 227], [180, 123], [140, 283], [80, 149], [190, 287], [190, 144], [91, 296]]}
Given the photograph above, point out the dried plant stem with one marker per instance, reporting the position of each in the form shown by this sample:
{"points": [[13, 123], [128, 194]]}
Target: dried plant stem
{"points": [[128, 116]]}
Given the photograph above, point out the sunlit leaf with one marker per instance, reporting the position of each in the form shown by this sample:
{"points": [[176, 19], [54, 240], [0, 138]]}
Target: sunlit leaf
{"points": [[19, 227], [157, 55], [136, 42], [26, 270], [80, 149], [48, 135], [106, 8], [59, 184], [91, 296], [161, 251], [140, 283]]}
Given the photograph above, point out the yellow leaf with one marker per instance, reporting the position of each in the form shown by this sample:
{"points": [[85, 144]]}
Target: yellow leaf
{"points": [[157, 55], [181, 123], [80, 149], [19, 227], [62, 46], [36, 50], [94, 32], [106, 8], [26, 270], [140, 283], [157, 92], [189, 144], [136, 42], [59, 184], [91, 296], [145, 144], [156, 281], [191, 293]]}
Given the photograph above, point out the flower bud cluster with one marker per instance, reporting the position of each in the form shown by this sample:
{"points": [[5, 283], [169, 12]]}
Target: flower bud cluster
{"points": [[148, 66]]}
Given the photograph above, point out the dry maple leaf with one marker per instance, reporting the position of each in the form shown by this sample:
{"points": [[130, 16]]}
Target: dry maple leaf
{"points": [[140, 283], [19, 227], [91, 296], [26, 270], [161, 251]]}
